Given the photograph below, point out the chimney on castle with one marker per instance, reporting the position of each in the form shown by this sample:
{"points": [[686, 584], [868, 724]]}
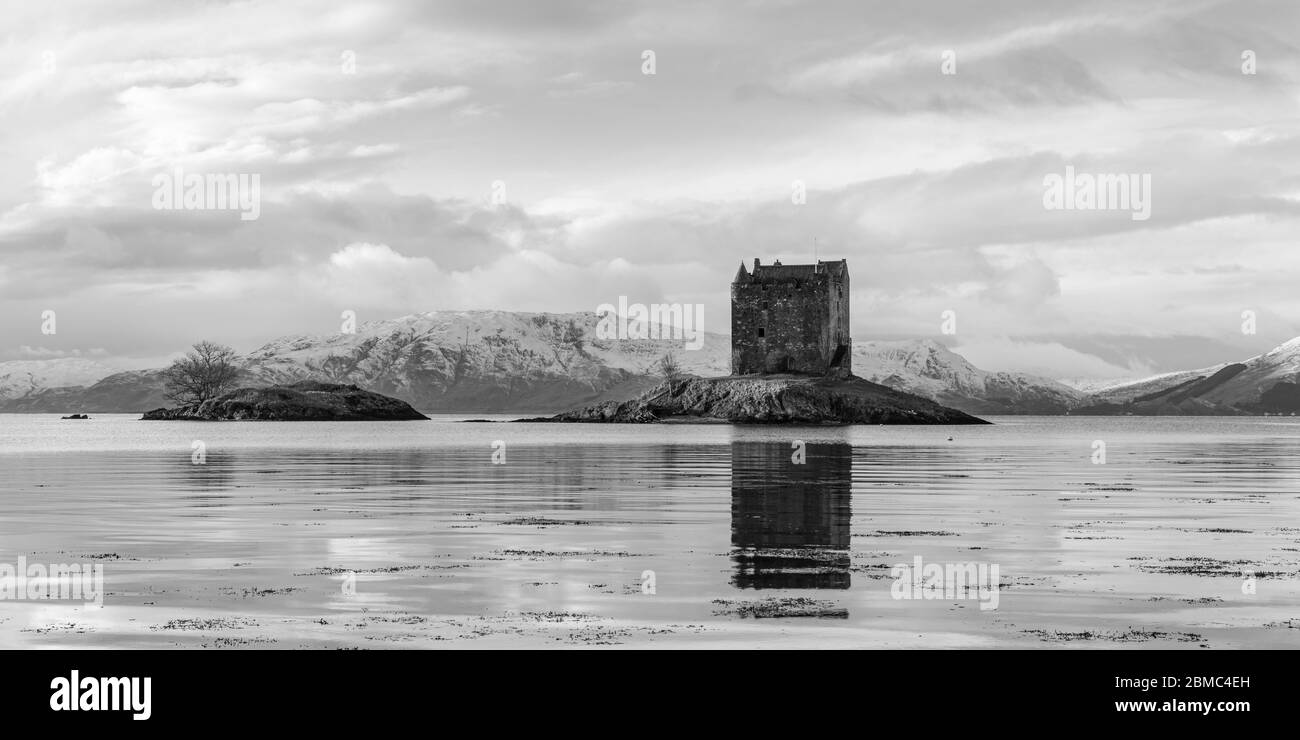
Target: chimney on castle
{"points": [[755, 264], [777, 263]]}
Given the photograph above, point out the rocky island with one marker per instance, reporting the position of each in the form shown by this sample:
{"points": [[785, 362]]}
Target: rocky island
{"points": [[771, 400], [302, 401]]}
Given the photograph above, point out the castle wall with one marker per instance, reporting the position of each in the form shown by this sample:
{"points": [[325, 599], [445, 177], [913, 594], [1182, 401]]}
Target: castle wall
{"points": [[804, 321], [837, 328]]}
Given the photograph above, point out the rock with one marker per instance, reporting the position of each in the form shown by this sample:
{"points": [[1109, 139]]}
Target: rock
{"points": [[76, 416], [303, 401], [771, 399]]}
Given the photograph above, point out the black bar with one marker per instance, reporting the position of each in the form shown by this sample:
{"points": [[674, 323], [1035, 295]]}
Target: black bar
{"points": [[919, 689]]}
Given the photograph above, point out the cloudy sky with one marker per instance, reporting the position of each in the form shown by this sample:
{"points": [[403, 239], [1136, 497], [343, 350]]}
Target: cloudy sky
{"points": [[380, 133]]}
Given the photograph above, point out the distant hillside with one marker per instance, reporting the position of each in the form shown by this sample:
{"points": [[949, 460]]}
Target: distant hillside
{"points": [[485, 361], [509, 362], [1267, 383], [929, 369], [131, 391], [446, 361], [22, 377]]}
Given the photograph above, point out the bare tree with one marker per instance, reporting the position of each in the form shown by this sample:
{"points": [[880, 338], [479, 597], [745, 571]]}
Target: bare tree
{"points": [[669, 368], [207, 371]]}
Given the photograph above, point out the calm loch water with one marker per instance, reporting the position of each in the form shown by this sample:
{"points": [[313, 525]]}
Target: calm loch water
{"points": [[410, 535]]}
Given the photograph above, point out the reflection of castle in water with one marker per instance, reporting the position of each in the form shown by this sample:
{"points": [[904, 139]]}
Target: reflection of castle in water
{"points": [[790, 522]]}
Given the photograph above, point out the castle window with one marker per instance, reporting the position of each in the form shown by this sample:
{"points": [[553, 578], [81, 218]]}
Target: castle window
{"points": [[761, 331], [764, 305]]}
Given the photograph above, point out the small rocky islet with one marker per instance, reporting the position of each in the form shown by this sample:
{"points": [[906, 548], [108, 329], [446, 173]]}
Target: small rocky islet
{"points": [[301, 401], [770, 399]]}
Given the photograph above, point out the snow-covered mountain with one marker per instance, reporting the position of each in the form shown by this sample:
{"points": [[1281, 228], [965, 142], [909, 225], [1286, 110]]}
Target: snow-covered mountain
{"points": [[1266, 383], [1127, 390], [128, 391], [508, 362], [486, 360], [501, 361], [22, 377], [929, 369], [445, 361]]}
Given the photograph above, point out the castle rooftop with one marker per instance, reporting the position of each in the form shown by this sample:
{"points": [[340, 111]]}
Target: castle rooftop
{"points": [[777, 272]]}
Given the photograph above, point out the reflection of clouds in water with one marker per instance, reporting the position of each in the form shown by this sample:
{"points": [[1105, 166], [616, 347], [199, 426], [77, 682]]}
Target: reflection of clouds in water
{"points": [[352, 583], [216, 473], [343, 551]]}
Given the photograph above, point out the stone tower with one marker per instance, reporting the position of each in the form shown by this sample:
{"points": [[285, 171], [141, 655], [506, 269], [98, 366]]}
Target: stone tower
{"points": [[791, 319]]}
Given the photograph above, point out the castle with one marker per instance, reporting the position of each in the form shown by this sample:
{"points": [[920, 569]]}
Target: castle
{"points": [[791, 319]]}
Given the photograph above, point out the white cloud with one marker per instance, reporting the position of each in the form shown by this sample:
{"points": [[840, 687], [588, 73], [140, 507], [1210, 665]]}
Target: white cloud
{"points": [[1050, 359], [375, 184]]}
